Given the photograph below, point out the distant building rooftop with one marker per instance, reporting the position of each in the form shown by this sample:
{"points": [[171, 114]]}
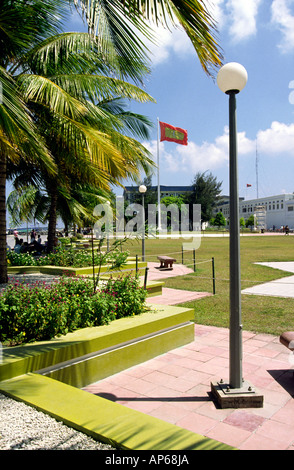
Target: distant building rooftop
{"points": [[162, 188]]}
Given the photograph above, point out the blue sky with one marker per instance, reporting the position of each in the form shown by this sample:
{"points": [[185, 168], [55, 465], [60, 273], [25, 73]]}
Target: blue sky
{"points": [[259, 34]]}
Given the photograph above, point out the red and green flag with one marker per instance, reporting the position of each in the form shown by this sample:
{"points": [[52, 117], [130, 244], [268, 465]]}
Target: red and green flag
{"points": [[173, 134]]}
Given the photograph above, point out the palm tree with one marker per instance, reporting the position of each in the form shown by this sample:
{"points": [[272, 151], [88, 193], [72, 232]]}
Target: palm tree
{"points": [[69, 102], [21, 24], [76, 113], [123, 20]]}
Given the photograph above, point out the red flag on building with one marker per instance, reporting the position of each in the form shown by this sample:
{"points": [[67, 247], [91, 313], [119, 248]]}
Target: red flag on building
{"points": [[249, 185], [173, 134]]}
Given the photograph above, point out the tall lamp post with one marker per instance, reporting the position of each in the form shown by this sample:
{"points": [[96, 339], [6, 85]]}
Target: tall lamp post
{"points": [[231, 79], [142, 190]]}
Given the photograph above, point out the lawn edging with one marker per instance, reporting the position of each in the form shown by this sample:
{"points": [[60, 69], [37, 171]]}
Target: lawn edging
{"points": [[126, 268], [102, 419], [49, 376]]}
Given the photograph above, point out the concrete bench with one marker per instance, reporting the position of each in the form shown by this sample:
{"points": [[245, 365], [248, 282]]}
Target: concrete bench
{"points": [[287, 339], [166, 261]]}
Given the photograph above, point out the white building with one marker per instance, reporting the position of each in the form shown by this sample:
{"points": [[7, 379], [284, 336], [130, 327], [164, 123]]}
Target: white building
{"points": [[277, 210]]}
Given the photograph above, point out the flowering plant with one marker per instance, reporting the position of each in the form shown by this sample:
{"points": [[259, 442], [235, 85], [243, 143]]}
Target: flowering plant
{"points": [[40, 312]]}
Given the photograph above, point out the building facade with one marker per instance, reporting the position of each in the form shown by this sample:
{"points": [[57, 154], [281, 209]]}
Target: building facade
{"points": [[175, 191], [275, 211]]}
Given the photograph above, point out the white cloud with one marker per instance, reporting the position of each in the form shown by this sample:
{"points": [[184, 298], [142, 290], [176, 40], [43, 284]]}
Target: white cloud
{"points": [[242, 18], [284, 19], [168, 41], [194, 157], [216, 9], [237, 16], [277, 140]]}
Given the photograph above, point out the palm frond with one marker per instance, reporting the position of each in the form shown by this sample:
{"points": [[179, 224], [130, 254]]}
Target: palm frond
{"points": [[17, 127], [99, 88], [192, 15], [41, 90]]}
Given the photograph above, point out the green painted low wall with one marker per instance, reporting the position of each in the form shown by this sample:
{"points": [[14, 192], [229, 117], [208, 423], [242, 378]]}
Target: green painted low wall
{"points": [[129, 266], [28, 358], [119, 345], [86, 370], [102, 419]]}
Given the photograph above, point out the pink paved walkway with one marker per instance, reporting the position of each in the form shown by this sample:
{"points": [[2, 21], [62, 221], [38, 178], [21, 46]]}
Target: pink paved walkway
{"points": [[175, 296], [156, 274], [171, 296], [175, 387]]}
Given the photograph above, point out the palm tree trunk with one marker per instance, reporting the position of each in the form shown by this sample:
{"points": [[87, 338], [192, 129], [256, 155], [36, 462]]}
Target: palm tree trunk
{"points": [[52, 217], [3, 242]]}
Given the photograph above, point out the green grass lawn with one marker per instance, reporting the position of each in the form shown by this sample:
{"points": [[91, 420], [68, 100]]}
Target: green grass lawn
{"points": [[263, 314]]}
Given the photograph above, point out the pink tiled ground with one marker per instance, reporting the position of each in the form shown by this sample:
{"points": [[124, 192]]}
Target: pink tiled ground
{"points": [[176, 296], [175, 387]]}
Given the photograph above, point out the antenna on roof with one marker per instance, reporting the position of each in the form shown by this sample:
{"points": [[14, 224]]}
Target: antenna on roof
{"points": [[256, 170]]}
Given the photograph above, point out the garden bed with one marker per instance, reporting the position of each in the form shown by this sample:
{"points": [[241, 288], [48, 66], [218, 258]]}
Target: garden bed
{"points": [[118, 338], [36, 312], [47, 374], [129, 266]]}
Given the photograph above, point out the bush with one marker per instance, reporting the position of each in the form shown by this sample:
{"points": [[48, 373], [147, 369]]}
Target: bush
{"points": [[40, 312], [128, 295], [20, 259], [70, 257]]}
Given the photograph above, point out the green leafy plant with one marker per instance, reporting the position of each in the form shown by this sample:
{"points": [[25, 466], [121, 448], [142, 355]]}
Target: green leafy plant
{"points": [[68, 257], [41, 312]]}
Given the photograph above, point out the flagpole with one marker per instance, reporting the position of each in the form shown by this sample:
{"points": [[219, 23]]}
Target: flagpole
{"points": [[158, 183]]}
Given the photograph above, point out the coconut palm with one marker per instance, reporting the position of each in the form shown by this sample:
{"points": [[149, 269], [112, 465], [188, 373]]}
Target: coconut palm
{"points": [[127, 21], [21, 25], [114, 24], [72, 110], [69, 104]]}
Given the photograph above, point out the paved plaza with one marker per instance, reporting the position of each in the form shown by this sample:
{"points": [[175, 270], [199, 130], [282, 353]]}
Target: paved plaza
{"points": [[175, 386]]}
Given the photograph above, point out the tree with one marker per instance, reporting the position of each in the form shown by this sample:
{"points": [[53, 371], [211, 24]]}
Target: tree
{"points": [[83, 126], [21, 26], [206, 190], [250, 221], [120, 19], [220, 220], [176, 209]]}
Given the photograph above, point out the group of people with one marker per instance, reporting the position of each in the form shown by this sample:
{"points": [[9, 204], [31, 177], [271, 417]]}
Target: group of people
{"points": [[286, 229], [35, 245]]}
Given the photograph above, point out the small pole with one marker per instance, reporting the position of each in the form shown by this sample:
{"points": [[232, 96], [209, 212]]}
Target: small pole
{"points": [[93, 260], [182, 255], [194, 258], [136, 263], [145, 278], [213, 276]]}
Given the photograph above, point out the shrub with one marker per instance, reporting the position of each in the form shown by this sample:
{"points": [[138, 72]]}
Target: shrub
{"points": [[70, 257], [127, 295], [40, 312], [21, 259]]}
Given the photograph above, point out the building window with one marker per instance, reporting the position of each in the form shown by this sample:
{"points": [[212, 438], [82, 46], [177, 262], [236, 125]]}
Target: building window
{"points": [[282, 205], [290, 208]]}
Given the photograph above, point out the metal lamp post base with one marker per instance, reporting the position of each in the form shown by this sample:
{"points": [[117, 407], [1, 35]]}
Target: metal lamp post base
{"points": [[245, 397]]}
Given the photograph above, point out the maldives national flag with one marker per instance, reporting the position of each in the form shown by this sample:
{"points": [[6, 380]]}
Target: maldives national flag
{"points": [[173, 134], [249, 185]]}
